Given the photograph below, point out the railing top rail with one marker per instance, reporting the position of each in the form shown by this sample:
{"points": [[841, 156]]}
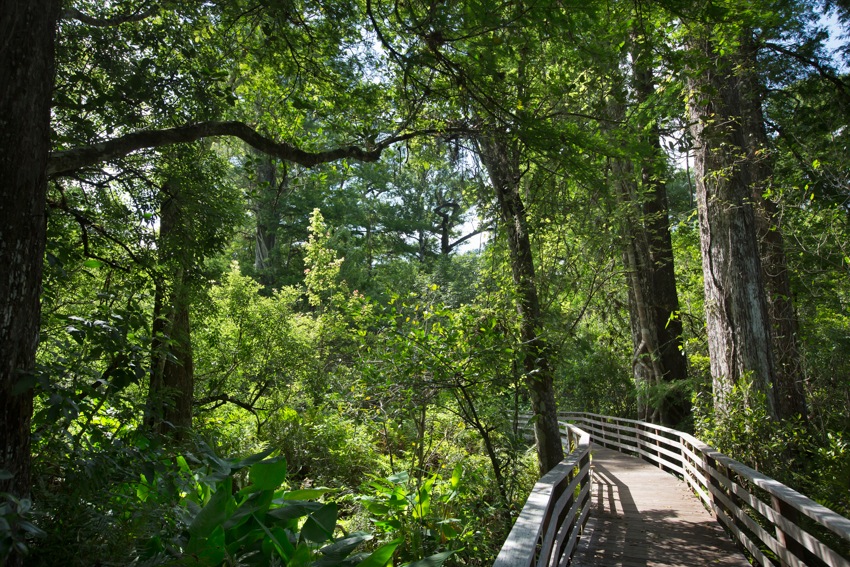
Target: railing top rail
{"points": [[632, 421], [521, 545], [835, 522]]}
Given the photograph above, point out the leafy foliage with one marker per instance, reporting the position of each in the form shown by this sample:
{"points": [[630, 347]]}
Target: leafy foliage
{"points": [[360, 318]]}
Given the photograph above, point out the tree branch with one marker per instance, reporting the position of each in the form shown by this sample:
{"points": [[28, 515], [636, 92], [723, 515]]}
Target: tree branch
{"points": [[75, 14], [224, 398], [460, 241], [65, 162], [825, 72]]}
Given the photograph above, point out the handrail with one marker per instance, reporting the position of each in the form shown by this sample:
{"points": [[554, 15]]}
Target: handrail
{"points": [[770, 520], [547, 530]]}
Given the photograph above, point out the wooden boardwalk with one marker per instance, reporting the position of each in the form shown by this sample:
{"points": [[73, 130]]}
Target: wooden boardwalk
{"points": [[642, 517]]}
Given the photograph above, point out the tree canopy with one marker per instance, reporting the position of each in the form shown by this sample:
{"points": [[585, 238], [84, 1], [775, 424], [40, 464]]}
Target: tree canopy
{"points": [[280, 276]]}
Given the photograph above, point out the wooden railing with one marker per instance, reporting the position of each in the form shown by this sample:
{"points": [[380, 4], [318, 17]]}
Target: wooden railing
{"points": [[547, 530], [775, 524]]}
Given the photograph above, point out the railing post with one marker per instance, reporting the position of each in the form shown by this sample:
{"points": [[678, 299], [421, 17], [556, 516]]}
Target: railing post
{"points": [[709, 463], [788, 542]]}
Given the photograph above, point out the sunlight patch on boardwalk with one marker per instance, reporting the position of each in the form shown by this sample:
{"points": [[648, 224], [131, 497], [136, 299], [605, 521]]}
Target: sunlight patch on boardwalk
{"points": [[642, 516]]}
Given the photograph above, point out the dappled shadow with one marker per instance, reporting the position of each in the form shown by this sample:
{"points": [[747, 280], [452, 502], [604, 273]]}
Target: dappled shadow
{"points": [[650, 531]]}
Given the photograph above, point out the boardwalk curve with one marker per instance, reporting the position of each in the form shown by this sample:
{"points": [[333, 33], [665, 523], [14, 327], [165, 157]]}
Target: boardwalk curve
{"points": [[641, 516], [641, 520]]}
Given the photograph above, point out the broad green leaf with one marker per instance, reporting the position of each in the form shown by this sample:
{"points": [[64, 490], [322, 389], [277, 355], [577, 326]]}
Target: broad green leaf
{"points": [[217, 510], [456, 474], [301, 556], [399, 478], [306, 493], [422, 504], [341, 548], [275, 539], [142, 489], [320, 525], [253, 459], [292, 510], [377, 509], [210, 550], [268, 475], [432, 561], [257, 503], [381, 556]]}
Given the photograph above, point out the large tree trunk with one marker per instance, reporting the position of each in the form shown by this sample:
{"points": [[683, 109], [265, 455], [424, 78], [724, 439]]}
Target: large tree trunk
{"points": [[502, 163], [27, 32], [172, 383], [663, 297], [657, 362], [788, 378], [737, 317]]}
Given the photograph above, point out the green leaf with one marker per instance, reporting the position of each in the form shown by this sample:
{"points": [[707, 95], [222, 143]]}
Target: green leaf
{"points": [[432, 561], [321, 524], [456, 474], [268, 475], [381, 556], [257, 503], [142, 489], [306, 493], [253, 459], [340, 549], [220, 506], [275, 540], [399, 478], [183, 465], [422, 505], [92, 263], [210, 550], [277, 543], [292, 510]]}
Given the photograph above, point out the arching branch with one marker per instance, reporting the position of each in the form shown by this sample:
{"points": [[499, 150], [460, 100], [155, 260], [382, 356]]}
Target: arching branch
{"points": [[823, 71], [65, 162], [74, 14]]}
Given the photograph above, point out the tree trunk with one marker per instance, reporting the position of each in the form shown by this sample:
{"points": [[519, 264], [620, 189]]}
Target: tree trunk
{"points": [[265, 213], [788, 378], [737, 318], [663, 298], [502, 163], [28, 31], [172, 384], [657, 362]]}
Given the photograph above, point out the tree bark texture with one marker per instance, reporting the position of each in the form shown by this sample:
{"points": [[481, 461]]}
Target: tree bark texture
{"points": [[502, 162], [737, 318], [788, 379], [172, 372], [27, 36]]}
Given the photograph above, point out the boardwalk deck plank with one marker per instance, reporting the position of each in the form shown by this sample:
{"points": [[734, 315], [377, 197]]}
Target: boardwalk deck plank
{"points": [[644, 517]]}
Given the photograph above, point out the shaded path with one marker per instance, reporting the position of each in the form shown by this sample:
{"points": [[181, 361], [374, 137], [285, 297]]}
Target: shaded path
{"points": [[642, 517]]}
